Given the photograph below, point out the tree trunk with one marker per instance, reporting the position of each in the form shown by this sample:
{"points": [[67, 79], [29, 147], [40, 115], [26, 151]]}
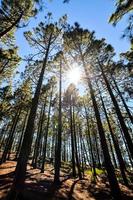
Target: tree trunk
{"points": [[72, 143], [9, 142], [116, 193], [117, 149], [97, 150], [120, 117], [21, 137], [123, 100], [75, 143], [36, 147], [58, 141], [20, 171], [46, 134], [90, 144], [15, 23]]}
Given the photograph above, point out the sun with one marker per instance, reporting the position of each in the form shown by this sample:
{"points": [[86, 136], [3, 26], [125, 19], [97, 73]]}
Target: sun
{"points": [[74, 75]]}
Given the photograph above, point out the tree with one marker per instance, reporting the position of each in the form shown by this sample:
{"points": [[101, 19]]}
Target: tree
{"points": [[51, 83], [58, 138], [79, 42], [49, 34], [13, 14], [122, 8], [9, 60]]}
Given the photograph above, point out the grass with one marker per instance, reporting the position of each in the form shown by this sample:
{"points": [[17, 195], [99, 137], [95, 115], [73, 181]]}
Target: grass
{"points": [[98, 171]]}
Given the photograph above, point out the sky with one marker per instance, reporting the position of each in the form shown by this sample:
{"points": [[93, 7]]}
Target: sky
{"points": [[91, 14]]}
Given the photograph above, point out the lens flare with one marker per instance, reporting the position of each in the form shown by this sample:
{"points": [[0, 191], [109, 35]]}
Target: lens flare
{"points": [[74, 75]]}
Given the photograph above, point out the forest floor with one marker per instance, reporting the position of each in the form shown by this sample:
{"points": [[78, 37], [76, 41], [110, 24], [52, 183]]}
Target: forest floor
{"points": [[40, 185]]}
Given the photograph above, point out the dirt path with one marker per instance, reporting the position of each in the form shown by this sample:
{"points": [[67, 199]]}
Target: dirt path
{"points": [[40, 186]]}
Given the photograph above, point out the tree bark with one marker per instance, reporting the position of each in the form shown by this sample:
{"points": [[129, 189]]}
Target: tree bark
{"points": [[46, 134], [116, 193], [120, 117], [15, 23], [9, 142], [58, 141], [72, 143], [20, 171], [123, 100]]}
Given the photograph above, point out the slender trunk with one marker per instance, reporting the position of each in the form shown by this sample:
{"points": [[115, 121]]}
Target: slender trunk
{"points": [[64, 151], [81, 155], [6, 135], [34, 161], [90, 143], [46, 134], [21, 137], [15, 23], [108, 164], [81, 140], [75, 143], [125, 143], [3, 134], [53, 145], [9, 142], [20, 171], [12, 138], [40, 132], [58, 141], [97, 150], [3, 67], [123, 100], [120, 117], [84, 147], [116, 145], [72, 143], [112, 151]]}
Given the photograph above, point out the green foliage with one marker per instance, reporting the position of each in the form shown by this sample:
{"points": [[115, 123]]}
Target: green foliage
{"points": [[9, 60], [6, 97], [122, 8], [23, 94], [14, 14]]}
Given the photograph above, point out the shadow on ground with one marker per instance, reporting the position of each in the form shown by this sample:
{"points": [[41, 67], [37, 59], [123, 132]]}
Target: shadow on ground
{"points": [[39, 186]]}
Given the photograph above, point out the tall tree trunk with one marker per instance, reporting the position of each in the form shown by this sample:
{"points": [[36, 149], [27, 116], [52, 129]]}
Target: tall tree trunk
{"points": [[4, 132], [58, 141], [40, 131], [116, 193], [116, 146], [125, 143], [84, 148], [9, 142], [112, 151], [21, 137], [46, 133], [72, 143], [34, 161], [75, 143], [20, 171], [83, 151], [120, 117], [123, 100], [97, 150], [53, 144], [90, 143]]}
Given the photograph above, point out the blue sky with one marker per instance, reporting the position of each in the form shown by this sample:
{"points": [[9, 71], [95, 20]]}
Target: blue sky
{"points": [[91, 14]]}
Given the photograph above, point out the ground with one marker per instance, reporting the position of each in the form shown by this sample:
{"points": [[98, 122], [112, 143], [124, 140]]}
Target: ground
{"points": [[40, 185]]}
